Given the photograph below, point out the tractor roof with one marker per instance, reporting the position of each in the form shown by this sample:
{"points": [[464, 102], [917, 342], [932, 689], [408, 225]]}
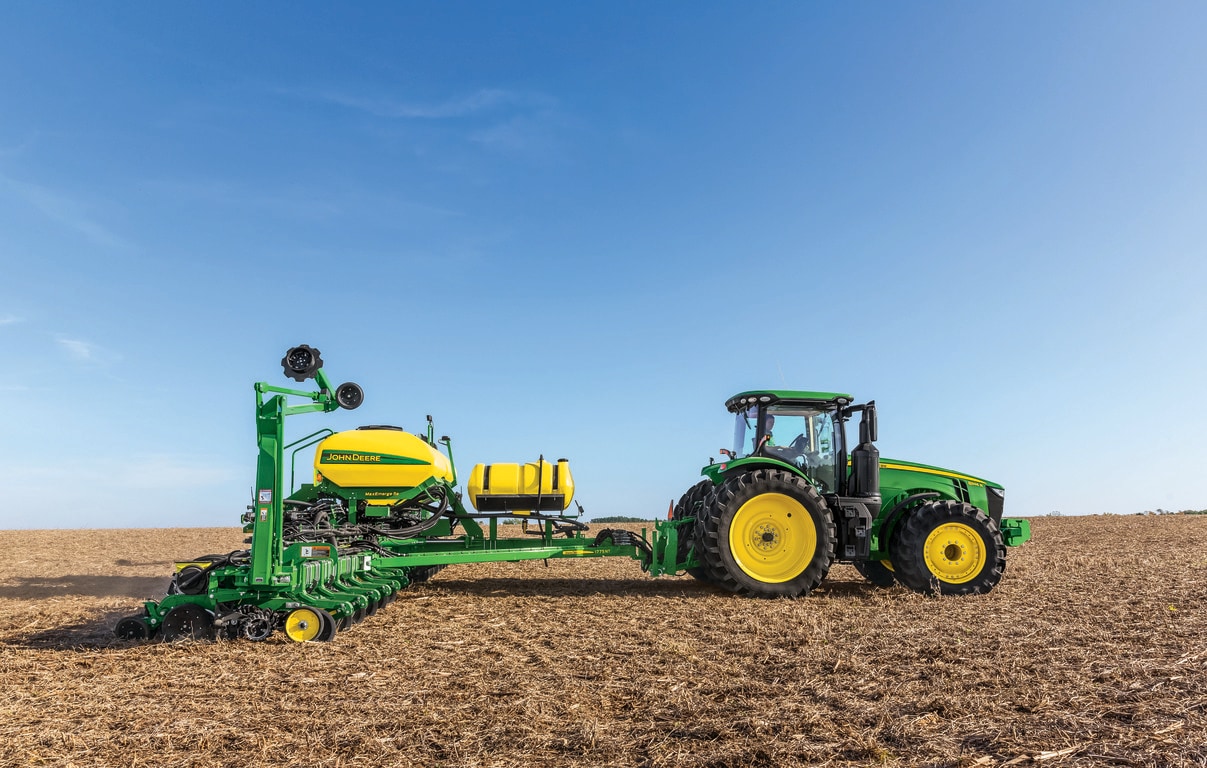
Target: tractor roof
{"points": [[769, 396]]}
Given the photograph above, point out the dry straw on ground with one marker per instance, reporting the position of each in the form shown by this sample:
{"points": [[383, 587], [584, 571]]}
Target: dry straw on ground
{"points": [[1092, 652]]}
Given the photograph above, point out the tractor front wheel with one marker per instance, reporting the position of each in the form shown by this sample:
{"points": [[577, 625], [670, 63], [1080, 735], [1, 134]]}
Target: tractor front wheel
{"points": [[949, 547], [768, 534]]}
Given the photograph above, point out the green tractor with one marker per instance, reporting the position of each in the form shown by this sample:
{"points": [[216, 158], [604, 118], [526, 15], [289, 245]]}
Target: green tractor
{"points": [[789, 499]]}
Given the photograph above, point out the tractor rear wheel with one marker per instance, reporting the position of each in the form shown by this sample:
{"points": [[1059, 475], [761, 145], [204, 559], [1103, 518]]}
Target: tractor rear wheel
{"points": [[692, 505], [876, 572], [768, 533], [949, 547]]}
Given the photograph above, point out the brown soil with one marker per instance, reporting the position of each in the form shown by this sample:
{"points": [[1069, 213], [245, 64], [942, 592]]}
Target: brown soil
{"points": [[1092, 651]]}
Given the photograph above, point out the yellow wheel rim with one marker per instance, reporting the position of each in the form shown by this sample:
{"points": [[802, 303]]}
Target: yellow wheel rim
{"points": [[954, 553], [773, 538], [303, 625]]}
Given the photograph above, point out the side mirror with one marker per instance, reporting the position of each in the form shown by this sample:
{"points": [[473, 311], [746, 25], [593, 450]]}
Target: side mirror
{"points": [[868, 432]]}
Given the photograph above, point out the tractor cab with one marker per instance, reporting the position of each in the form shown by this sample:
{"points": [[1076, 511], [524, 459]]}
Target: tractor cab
{"points": [[807, 431]]}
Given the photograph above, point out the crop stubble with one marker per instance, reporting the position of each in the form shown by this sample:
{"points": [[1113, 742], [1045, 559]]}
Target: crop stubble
{"points": [[1092, 651]]}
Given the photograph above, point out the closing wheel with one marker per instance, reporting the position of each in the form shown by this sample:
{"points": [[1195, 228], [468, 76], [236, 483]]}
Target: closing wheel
{"points": [[769, 534], [692, 504], [303, 624], [950, 547], [877, 572], [132, 628], [187, 622]]}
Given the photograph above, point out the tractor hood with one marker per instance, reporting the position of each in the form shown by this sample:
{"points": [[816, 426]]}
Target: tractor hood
{"points": [[927, 469]]}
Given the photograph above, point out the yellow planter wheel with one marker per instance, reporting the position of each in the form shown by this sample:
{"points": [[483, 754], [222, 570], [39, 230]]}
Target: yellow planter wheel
{"points": [[306, 624]]}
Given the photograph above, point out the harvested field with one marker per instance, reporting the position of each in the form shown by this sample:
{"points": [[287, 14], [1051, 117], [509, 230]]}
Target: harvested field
{"points": [[1093, 651]]}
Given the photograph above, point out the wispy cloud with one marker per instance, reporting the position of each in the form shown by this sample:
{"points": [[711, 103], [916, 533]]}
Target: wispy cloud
{"points": [[484, 100], [65, 211], [11, 319], [84, 351]]}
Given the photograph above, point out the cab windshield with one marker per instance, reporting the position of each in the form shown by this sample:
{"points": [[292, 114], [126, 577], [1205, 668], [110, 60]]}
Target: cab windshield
{"points": [[800, 435]]}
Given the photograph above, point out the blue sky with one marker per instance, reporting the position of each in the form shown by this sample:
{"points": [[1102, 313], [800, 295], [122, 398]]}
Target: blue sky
{"points": [[575, 229]]}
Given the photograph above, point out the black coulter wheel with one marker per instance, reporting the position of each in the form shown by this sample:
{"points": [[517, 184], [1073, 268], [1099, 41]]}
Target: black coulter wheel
{"points": [[692, 504], [769, 534], [132, 628], [187, 622], [876, 572], [420, 575], [949, 547]]}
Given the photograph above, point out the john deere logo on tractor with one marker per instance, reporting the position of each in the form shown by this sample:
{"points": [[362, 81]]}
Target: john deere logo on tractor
{"points": [[340, 457]]}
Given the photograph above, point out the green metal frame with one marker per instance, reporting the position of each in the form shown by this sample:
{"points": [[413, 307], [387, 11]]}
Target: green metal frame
{"points": [[279, 577]]}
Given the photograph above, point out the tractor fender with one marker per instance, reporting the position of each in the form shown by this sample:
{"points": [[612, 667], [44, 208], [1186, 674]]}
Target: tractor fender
{"points": [[718, 472], [890, 519]]}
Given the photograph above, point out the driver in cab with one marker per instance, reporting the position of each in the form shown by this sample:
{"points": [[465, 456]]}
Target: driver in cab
{"points": [[793, 454]]}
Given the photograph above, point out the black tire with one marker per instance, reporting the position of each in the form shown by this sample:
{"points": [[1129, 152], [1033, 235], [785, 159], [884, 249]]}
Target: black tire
{"points": [[783, 529], [420, 575], [187, 622], [692, 504], [132, 628], [329, 629], [949, 547], [876, 572], [711, 568]]}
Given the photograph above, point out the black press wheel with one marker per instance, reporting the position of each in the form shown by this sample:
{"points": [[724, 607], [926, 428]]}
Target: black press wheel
{"points": [[949, 547], [187, 622], [876, 572], [769, 534], [691, 504]]}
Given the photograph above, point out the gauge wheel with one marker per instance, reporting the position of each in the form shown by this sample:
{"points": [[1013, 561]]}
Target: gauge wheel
{"points": [[329, 629], [948, 547], [304, 624], [769, 533]]}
